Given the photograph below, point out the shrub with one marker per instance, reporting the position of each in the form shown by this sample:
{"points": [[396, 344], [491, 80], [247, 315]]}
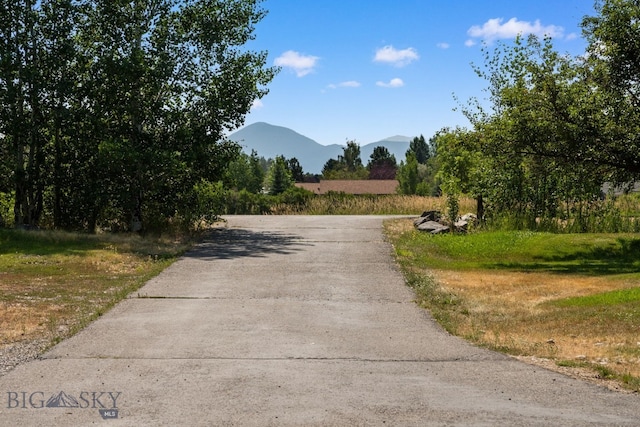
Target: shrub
{"points": [[296, 197]]}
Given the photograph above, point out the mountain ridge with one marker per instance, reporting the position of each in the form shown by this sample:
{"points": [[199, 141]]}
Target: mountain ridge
{"points": [[270, 141]]}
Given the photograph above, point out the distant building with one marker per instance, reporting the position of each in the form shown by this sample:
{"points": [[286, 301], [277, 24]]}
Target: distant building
{"points": [[365, 186]]}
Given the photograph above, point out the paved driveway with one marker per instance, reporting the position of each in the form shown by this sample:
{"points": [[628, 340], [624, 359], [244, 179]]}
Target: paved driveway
{"points": [[289, 321]]}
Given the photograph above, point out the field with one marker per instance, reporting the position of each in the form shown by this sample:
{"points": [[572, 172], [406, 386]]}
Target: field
{"points": [[573, 299], [345, 204], [53, 283]]}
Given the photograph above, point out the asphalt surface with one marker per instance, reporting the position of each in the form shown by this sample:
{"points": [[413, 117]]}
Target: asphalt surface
{"points": [[289, 321]]}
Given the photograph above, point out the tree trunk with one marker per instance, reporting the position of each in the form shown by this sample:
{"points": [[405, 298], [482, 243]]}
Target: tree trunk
{"points": [[480, 208]]}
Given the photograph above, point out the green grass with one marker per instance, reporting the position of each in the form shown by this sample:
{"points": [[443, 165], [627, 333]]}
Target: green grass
{"points": [[591, 254], [619, 297], [444, 306], [47, 243]]}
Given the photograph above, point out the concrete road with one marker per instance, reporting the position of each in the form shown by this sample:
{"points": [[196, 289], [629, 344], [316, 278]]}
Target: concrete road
{"points": [[289, 321]]}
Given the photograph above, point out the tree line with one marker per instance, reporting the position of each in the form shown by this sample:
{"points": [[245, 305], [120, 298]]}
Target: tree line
{"points": [[112, 111], [416, 174]]}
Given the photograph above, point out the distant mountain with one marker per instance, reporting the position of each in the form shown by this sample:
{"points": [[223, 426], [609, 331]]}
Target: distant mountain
{"points": [[270, 141], [397, 145]]}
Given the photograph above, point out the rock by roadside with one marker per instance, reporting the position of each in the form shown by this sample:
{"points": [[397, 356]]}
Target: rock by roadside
{"points": [[433, 222]]}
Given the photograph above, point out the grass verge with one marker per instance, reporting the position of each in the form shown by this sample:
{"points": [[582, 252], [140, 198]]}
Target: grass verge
{"points": [[572, 299], [53, 283]]}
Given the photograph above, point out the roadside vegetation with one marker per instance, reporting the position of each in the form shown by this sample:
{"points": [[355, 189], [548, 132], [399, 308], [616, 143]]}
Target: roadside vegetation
{"points": [[54, 283], [571, 298]]}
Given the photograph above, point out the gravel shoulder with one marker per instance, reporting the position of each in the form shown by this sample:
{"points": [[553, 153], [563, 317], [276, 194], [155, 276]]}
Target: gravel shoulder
{"points": [[15, 354]]}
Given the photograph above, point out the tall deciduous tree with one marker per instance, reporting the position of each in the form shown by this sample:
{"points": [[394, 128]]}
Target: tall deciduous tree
{"points": [[547, 119], [113, 110], [60, 20], [22, 117], [614, 55], [173, 82], [245, 173]]}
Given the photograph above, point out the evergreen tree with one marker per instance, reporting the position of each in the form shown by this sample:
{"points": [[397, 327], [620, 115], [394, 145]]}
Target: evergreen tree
{"points": [[382, 164], [295, 168], [279, 177], [420, 149]]}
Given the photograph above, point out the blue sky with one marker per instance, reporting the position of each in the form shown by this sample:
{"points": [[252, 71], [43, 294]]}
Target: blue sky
{"points": [[366, 70]]}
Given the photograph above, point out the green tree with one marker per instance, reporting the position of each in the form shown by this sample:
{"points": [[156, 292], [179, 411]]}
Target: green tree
{"points": [[331, 166], [408, 175], [351, 156], [256, 173], [114, 110], [462, 167], [346, 166], [245, 173], [614, 61], [420, 149], [297, 174], [536, 142], [279, 177], [382, 164], [22, 119]]}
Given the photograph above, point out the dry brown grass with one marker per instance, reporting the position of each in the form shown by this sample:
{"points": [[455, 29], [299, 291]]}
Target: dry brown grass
{"points": [[511, 311], [52, 283], [508, 310], [344, 204]]}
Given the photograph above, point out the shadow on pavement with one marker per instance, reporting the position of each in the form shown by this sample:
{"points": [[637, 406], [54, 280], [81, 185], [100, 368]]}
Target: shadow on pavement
{"points": [[236, 243]]}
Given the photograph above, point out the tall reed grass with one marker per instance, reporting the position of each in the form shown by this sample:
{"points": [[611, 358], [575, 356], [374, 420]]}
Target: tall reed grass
{"points": [[619, 214], [348, 204]]}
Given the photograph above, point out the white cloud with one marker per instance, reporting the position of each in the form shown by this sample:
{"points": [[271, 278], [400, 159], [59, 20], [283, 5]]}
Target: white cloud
{"points": [[398, 58], [350, 83], [256, 104], [496, 28], [470, 43], [301, 64], [443, 45], [392, 83]]}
